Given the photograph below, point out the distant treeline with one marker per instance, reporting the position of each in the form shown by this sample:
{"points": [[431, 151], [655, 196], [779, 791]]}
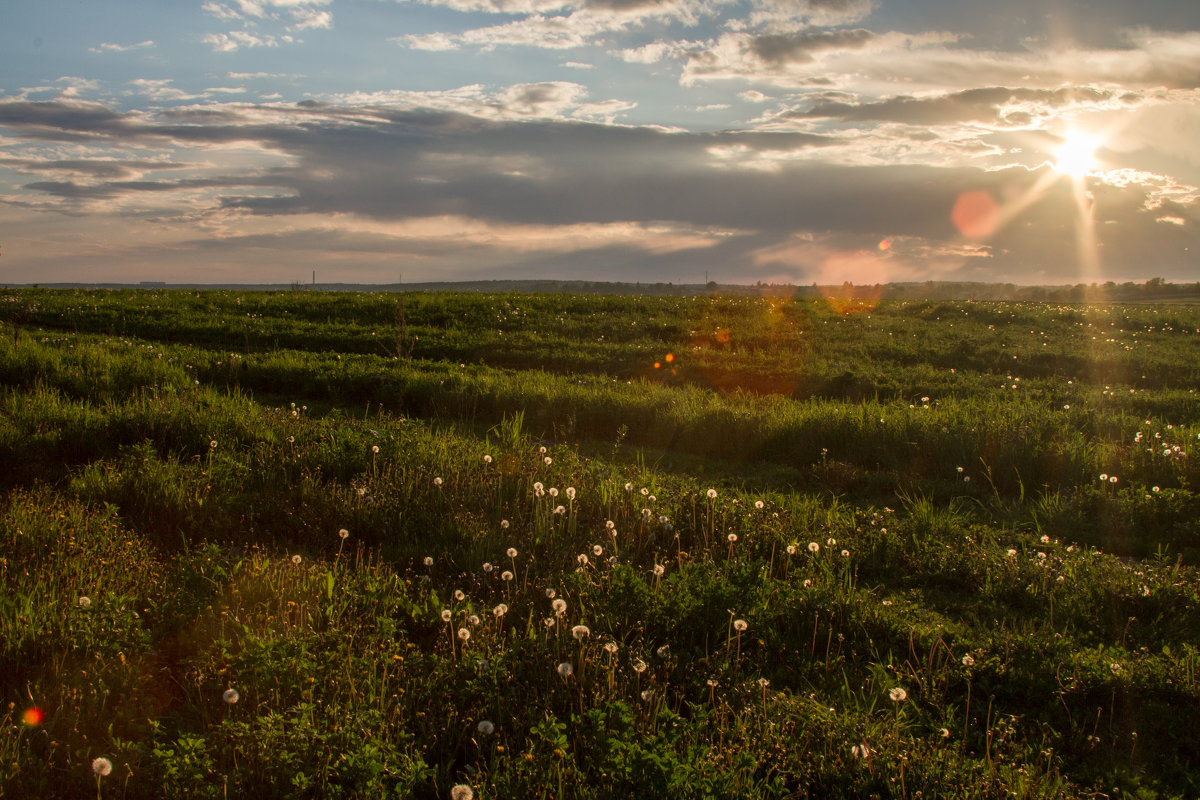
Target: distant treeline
{"points": [[1155, 289]]}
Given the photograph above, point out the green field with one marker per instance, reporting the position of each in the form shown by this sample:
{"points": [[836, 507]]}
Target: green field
{"points": [[804, 548]]}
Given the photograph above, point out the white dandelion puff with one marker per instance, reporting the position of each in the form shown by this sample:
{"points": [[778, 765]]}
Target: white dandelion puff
{"points": [[485, 727], [230, 696], [581, 632], [565, 670], [101, 766], [897, 694]]}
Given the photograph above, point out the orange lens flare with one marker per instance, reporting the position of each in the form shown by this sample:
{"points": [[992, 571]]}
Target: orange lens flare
{"points": [[33, 717], [976, 215]]}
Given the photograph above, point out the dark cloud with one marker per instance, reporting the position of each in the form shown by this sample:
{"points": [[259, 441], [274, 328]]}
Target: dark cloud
{"points": [[96, 168], [985, 105], [800, 47]]}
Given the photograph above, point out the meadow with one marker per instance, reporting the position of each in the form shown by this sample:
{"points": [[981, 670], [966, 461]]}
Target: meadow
{"points": [[434, 545]]}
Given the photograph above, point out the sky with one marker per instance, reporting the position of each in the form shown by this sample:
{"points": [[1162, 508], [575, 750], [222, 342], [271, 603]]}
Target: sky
{"points": [[774, 141]]}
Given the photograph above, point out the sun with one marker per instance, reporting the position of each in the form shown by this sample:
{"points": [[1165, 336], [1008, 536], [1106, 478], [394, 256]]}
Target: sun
{"points": [[1076, 156]]}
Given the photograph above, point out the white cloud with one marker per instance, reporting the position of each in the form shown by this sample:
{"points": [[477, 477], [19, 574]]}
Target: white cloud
{"points": [[160, 89], [107, 47], [311, 19], [234, 40]]}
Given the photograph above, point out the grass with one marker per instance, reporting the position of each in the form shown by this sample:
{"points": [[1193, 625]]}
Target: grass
{"points": [[875, 495]]}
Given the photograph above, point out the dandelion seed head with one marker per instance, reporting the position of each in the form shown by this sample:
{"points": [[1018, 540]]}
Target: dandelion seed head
{"points": [[230, 696], [213, 444], [581, 632], [565, 670], [646, 695], [428, 561], [570, 492], [553, 492], [343, 533], [897, 694], [758, 504], [629, 487], [437, 481], [500, 610], [639, 666], [740, 625], [551, 592], [462, 792], [296, 559], [560, 510], [763, 682], [664, 651], [547, 461], [845, 554], [485, 727], [791, 549], [732, 538], [659, 569], [511, 552], [610, 525], [813, 547], [968, 660], [464, 634], [504, 524], [487, 459], [597, 550], [582, 559], [445, 615], [506, 575], [712, 494], [85, 601], [101, 766], [610, 648], [487, 566], [473, 619], [459, 595], [559, 606]]}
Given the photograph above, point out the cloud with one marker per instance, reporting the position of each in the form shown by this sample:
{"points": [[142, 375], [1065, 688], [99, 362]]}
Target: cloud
{"points": [[160, 89], [107, 47], [235, 40]]}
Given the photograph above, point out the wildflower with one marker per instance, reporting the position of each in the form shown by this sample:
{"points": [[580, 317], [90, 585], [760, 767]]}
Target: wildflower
{"points": [[445, 615], [542, 450], [487, 459], [511, 552], [897, 694], [712, 494], [459, 595], [581, 632], [732, 538], [559, 606], [485, 727], [504, 524], [230, 696], [473, 619], [296, 559], [582, 559], [500, 610], [565, 670], [610, 648], [464, 634], [550, 592], [375, 449], [968, 660], [758, 503], [646, 695], [597, 550], [85, 601], [552, 492], [487, 566], [639, 666], [813, 547], [428, 561], [437, 481], [462, 792], [560, 510], [791, 549], [343, 533], [547, 461], [213, 444], [659, 569], [629, 487], [610, 525], [845, 554], [570, 492], [101, 766], [740, 625], [506, 575]]}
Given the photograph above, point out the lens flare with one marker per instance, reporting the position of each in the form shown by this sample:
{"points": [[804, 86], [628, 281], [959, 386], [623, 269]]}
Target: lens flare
{"points": [[33, 717]]}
